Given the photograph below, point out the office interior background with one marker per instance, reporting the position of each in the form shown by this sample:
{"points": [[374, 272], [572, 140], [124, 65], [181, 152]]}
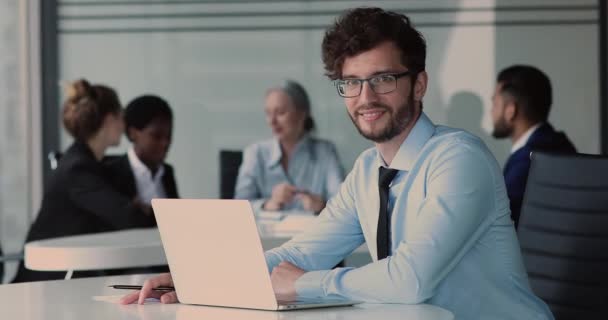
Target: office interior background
{"points": [[213, 61]]}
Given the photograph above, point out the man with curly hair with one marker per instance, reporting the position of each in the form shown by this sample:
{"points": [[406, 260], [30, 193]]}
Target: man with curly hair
{"points": [[429, 201]]}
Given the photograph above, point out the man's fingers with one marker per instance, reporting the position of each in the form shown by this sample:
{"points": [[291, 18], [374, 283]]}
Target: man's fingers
{"points": [[146, 290], [130, 298], [169, 297]]}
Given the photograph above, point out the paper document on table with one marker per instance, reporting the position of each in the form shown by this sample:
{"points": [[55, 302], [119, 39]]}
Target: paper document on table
{"points": [[270, 215], [116, 299], [294, 223]]}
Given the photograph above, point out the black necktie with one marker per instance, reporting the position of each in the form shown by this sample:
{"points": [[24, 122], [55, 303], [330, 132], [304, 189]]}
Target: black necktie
{"points": [[385, 177]]}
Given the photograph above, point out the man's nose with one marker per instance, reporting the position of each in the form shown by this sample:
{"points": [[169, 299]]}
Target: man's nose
{"points": [[367, 93]]}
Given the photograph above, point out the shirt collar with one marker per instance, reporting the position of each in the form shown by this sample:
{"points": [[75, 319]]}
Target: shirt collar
{"points": [[276, 153], [521, 142], [140, 168], [408, 152]]}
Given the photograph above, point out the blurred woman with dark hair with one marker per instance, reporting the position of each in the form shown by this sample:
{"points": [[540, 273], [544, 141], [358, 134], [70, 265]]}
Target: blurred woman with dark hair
{"points": [[78, 198], [293, 170]]}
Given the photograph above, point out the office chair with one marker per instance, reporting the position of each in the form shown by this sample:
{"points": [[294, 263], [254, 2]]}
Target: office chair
{"points": [[563, 233], [7, 258], [230, 161], [53, 158]]}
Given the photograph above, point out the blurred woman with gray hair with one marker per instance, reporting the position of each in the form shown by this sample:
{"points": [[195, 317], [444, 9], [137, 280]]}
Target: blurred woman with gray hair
{"points": [[293, 170]]}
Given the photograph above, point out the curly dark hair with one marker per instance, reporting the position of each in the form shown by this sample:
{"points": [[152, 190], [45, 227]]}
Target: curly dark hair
{"points": [[362, 29], [141, 111]]}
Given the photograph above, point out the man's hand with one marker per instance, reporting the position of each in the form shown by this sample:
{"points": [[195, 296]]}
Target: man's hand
{"points": [[146, 291], [311, 201], [283, 278]]}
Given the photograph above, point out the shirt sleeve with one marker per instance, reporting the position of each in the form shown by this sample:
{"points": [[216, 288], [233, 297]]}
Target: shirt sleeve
{"points": [[335, 233], [246, 186], [459, 196]]}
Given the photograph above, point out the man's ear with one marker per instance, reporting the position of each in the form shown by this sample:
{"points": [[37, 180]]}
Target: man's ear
{"points": [[420, 85], [510, 111]]}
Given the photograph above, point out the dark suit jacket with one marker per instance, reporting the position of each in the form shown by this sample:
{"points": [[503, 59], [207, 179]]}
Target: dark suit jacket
{"points": [[79, 199], [546, 139], [122, 178]]}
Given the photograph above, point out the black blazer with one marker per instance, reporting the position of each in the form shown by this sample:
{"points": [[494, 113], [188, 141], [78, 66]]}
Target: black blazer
{"points": [[80, 199], [122, 178]]}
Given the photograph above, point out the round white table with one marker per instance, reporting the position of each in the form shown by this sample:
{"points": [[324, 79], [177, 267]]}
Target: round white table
{"points": [[107, 250], [88, 298], [137, 248]]}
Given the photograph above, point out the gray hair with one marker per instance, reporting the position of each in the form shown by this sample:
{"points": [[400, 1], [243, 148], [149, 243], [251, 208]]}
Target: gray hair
{"points": [[298, 95]]}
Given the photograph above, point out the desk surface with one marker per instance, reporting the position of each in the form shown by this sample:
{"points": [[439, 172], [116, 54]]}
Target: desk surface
{"points": [[73, 299], [132, 248], [107, 250], [119, 249]]}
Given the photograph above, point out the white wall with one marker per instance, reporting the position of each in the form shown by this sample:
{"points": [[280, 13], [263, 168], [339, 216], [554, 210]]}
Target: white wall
{"points": [[214, 69], [18, 172]]}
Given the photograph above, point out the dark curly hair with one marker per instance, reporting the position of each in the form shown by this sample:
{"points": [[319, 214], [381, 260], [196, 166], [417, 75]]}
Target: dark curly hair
{"points": [[362, 29], [141, 111]]}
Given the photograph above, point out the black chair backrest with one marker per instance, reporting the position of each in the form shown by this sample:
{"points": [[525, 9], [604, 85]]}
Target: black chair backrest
{"points": [[230, 162], [563, 233]]}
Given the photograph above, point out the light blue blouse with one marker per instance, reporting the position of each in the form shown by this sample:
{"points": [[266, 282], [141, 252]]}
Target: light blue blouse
{"points": [[314, 166], [453, 243]]}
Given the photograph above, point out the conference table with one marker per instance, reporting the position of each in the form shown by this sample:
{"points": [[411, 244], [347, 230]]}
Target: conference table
{"points": [[92, 299], [143, 247]]}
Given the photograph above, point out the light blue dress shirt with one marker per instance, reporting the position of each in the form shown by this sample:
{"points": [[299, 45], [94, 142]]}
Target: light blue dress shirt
{"points": [[453, 243], [314, 166]]}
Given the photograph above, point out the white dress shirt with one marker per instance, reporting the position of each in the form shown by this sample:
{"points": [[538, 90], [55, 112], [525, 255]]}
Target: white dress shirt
{"points": [[521, 142], [148, 186]]}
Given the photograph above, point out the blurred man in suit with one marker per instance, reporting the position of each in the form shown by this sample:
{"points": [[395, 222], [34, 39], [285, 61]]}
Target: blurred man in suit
{"points": [[520, 109], [142, 173]]}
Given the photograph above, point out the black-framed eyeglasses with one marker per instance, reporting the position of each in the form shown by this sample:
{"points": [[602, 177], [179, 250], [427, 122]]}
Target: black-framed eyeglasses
{"points": [[383, 83]]}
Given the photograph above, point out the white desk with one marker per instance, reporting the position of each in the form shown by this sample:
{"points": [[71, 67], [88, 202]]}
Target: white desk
{"points": [[107, 250], [53, 300], [124, 249]]}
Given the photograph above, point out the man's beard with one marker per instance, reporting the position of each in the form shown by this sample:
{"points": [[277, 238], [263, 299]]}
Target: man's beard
{"points": [[501, 129], [396, 124]]}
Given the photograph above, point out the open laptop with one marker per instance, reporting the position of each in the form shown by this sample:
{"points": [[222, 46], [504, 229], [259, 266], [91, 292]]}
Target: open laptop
{"points": [[216, 258]]}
